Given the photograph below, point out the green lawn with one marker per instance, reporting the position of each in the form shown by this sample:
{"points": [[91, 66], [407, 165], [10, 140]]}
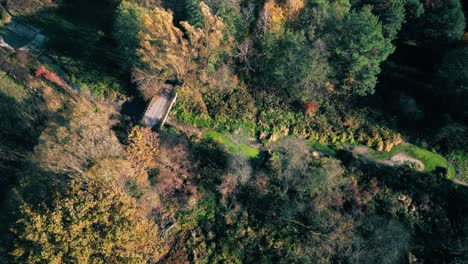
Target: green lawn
{"points": [[430, 159], [232, 147]]}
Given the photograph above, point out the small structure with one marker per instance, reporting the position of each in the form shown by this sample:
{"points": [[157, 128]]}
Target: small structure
{"points": [[23, 37], [158, 109]]}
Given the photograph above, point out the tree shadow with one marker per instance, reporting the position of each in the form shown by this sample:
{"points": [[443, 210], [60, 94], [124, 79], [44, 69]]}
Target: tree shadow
{"points": [[80, 40], [441, 206], [212, 160], [21, 125], [20, 129]]}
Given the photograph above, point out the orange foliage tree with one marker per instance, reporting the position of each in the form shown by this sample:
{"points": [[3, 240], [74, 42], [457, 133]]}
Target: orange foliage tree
{"points": [[89, 223]]}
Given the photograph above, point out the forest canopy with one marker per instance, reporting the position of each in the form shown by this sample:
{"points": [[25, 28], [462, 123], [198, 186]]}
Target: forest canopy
{"points": [[219, 131]]}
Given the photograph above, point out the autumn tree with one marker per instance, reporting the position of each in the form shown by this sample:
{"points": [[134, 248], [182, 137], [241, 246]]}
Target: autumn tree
{"points": [[142, 148], [208, 41], [275, 14], [129, 171], [167, 54], [163, 51], [71, 147], [4, 16], [89, 223], [26, 7], [272, 17]]}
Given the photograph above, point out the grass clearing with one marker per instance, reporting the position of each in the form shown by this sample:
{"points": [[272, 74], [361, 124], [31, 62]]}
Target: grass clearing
{"points": [[9, 87], [324, 147], [430, 159], [232, 147]]}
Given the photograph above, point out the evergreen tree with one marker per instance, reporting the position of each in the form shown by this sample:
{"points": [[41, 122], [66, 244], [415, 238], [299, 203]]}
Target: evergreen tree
{"points": [[358, 51], [444, 20], [128, 23], [289, 67], [391, 13], [194, 15]]}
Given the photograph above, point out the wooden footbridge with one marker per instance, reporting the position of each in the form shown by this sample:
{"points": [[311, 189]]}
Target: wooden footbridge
{"points": [[158, 108]]}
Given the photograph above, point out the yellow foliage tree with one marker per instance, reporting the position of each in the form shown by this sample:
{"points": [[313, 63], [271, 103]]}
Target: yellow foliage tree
{"points": [[208, 41], [167, 54], [86, 138], [89, 223], [293, 8], [274, 15], [163, 51], [119, 173], [142, 149]]}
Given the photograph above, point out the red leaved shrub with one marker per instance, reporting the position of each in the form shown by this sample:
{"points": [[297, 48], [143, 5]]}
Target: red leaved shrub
{"points": [[40, 71], [50, 76]]}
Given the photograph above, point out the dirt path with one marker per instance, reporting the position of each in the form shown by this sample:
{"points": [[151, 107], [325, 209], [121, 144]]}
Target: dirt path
{"points": [[186, 129], [360, 150], [460, 182], [402, 158], [397, 159]]}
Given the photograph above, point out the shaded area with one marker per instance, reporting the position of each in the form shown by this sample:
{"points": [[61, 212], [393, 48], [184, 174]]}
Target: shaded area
{"points": [[440, 203], [80, 40], [20, 128], [410, 73], [179, 9], [12, 39]]}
